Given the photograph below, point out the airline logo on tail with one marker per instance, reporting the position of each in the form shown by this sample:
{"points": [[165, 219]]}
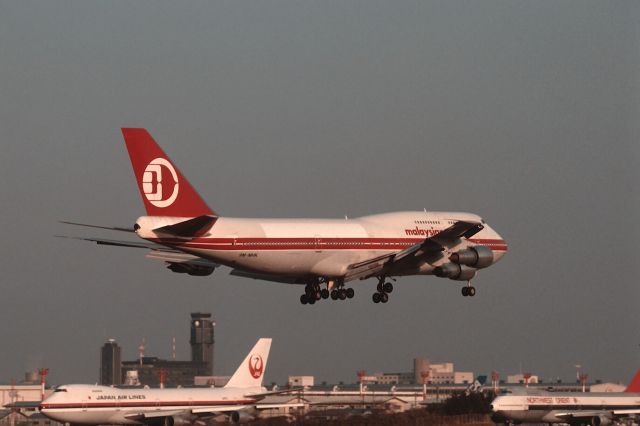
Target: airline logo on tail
{"points": [[256, 366], [152, 184], [164, 190]]}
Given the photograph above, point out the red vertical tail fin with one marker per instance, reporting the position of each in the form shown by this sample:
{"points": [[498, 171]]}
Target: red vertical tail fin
{"points": [[634, 385], [164, 191]]}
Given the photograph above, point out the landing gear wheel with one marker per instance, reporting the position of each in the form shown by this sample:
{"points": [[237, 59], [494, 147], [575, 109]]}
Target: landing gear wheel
{"points": [[350, 293], [376, 297], [303, 299], [465, 291], [471, 291], [387, 287], [380, 287], [334, 294], [342, 294], [311, 300], [324, 293], [384, 297]]}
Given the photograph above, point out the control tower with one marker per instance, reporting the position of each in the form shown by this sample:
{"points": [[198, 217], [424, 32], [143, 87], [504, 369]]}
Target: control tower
{"points": [[110, 367], [202, 339]]}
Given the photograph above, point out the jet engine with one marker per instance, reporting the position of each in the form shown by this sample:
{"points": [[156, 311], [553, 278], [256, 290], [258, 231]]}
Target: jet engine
{"points": [[600, 420], [174, 421], [187, 268], [240, 417], [453, 271], [477, 257]]}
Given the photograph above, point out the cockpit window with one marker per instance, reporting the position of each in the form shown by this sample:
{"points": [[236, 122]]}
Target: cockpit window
{"points": [[60, 390]]}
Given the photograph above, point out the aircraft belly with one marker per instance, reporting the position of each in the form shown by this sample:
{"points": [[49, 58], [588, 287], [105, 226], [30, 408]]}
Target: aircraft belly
{"points": [[329, 263], [526, 415], [99, 416]]}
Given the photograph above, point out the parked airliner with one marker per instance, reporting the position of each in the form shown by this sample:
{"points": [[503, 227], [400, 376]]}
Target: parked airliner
{"points": [[100, 405], [322, 254], [574, 408]]}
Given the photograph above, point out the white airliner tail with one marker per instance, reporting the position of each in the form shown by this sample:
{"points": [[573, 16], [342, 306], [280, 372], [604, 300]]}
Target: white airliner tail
{"points": [[251, 371]]}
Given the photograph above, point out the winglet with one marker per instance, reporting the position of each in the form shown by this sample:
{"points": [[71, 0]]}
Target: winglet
{"points": [[251, 371], [164, 190], [634, 385]]}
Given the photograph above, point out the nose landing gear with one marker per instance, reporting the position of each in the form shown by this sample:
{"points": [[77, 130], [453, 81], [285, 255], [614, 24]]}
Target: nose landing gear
{"points": [[468, 290]]}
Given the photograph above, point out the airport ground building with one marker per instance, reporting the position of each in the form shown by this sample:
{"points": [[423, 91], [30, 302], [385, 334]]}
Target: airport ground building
{"points": [[152, 371], [423, 369]]}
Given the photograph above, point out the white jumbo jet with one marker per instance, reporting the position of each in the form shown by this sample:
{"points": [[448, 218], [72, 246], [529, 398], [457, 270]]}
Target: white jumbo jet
{"points": [[573, 408], [322, 254], [95, 405]]}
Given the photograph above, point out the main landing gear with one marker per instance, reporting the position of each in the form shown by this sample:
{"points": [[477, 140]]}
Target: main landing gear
{"points": [[468, 290], [382, 295], [335, 289]]}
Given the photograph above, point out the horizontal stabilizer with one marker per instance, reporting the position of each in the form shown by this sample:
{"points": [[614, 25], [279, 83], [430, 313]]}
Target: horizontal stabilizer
{"points": [[110, 228], [189, 228], [119, 243]]}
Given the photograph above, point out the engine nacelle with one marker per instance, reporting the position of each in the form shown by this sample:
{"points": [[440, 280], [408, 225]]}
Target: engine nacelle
{"points": [[187, 268], [477, 257], [172, 421], [240, 417], [454, 271], [600, 420]]}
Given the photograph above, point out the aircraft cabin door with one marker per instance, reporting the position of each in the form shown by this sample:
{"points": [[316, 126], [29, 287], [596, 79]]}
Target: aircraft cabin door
{"points": [[316, 244]]}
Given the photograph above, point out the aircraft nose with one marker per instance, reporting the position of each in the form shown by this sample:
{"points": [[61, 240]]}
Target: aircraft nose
{"points": [[499, 246]]}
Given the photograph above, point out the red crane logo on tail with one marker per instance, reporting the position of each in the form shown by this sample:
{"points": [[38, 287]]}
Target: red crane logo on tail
{"points": [[256, 366], [153, 186]]}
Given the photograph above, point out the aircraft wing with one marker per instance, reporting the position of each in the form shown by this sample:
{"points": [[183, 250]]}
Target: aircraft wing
{"points": [[272, 406], [593, 413], [154, 414], [213, 410], [177, 260], [428, 250], [200, 411], [268, 277], [626, 412]]}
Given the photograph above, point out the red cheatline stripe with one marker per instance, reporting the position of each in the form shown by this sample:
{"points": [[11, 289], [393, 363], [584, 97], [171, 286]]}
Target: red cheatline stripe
{"points": [[256, 244], [144, 404]]}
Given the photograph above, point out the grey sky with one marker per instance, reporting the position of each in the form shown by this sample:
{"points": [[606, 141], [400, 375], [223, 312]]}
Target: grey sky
{"points": [[523, 112]]}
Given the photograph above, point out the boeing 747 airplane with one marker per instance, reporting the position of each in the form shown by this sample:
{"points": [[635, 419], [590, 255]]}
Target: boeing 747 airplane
{"points": [[321, 254], [102, 405], [573, 408]]}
